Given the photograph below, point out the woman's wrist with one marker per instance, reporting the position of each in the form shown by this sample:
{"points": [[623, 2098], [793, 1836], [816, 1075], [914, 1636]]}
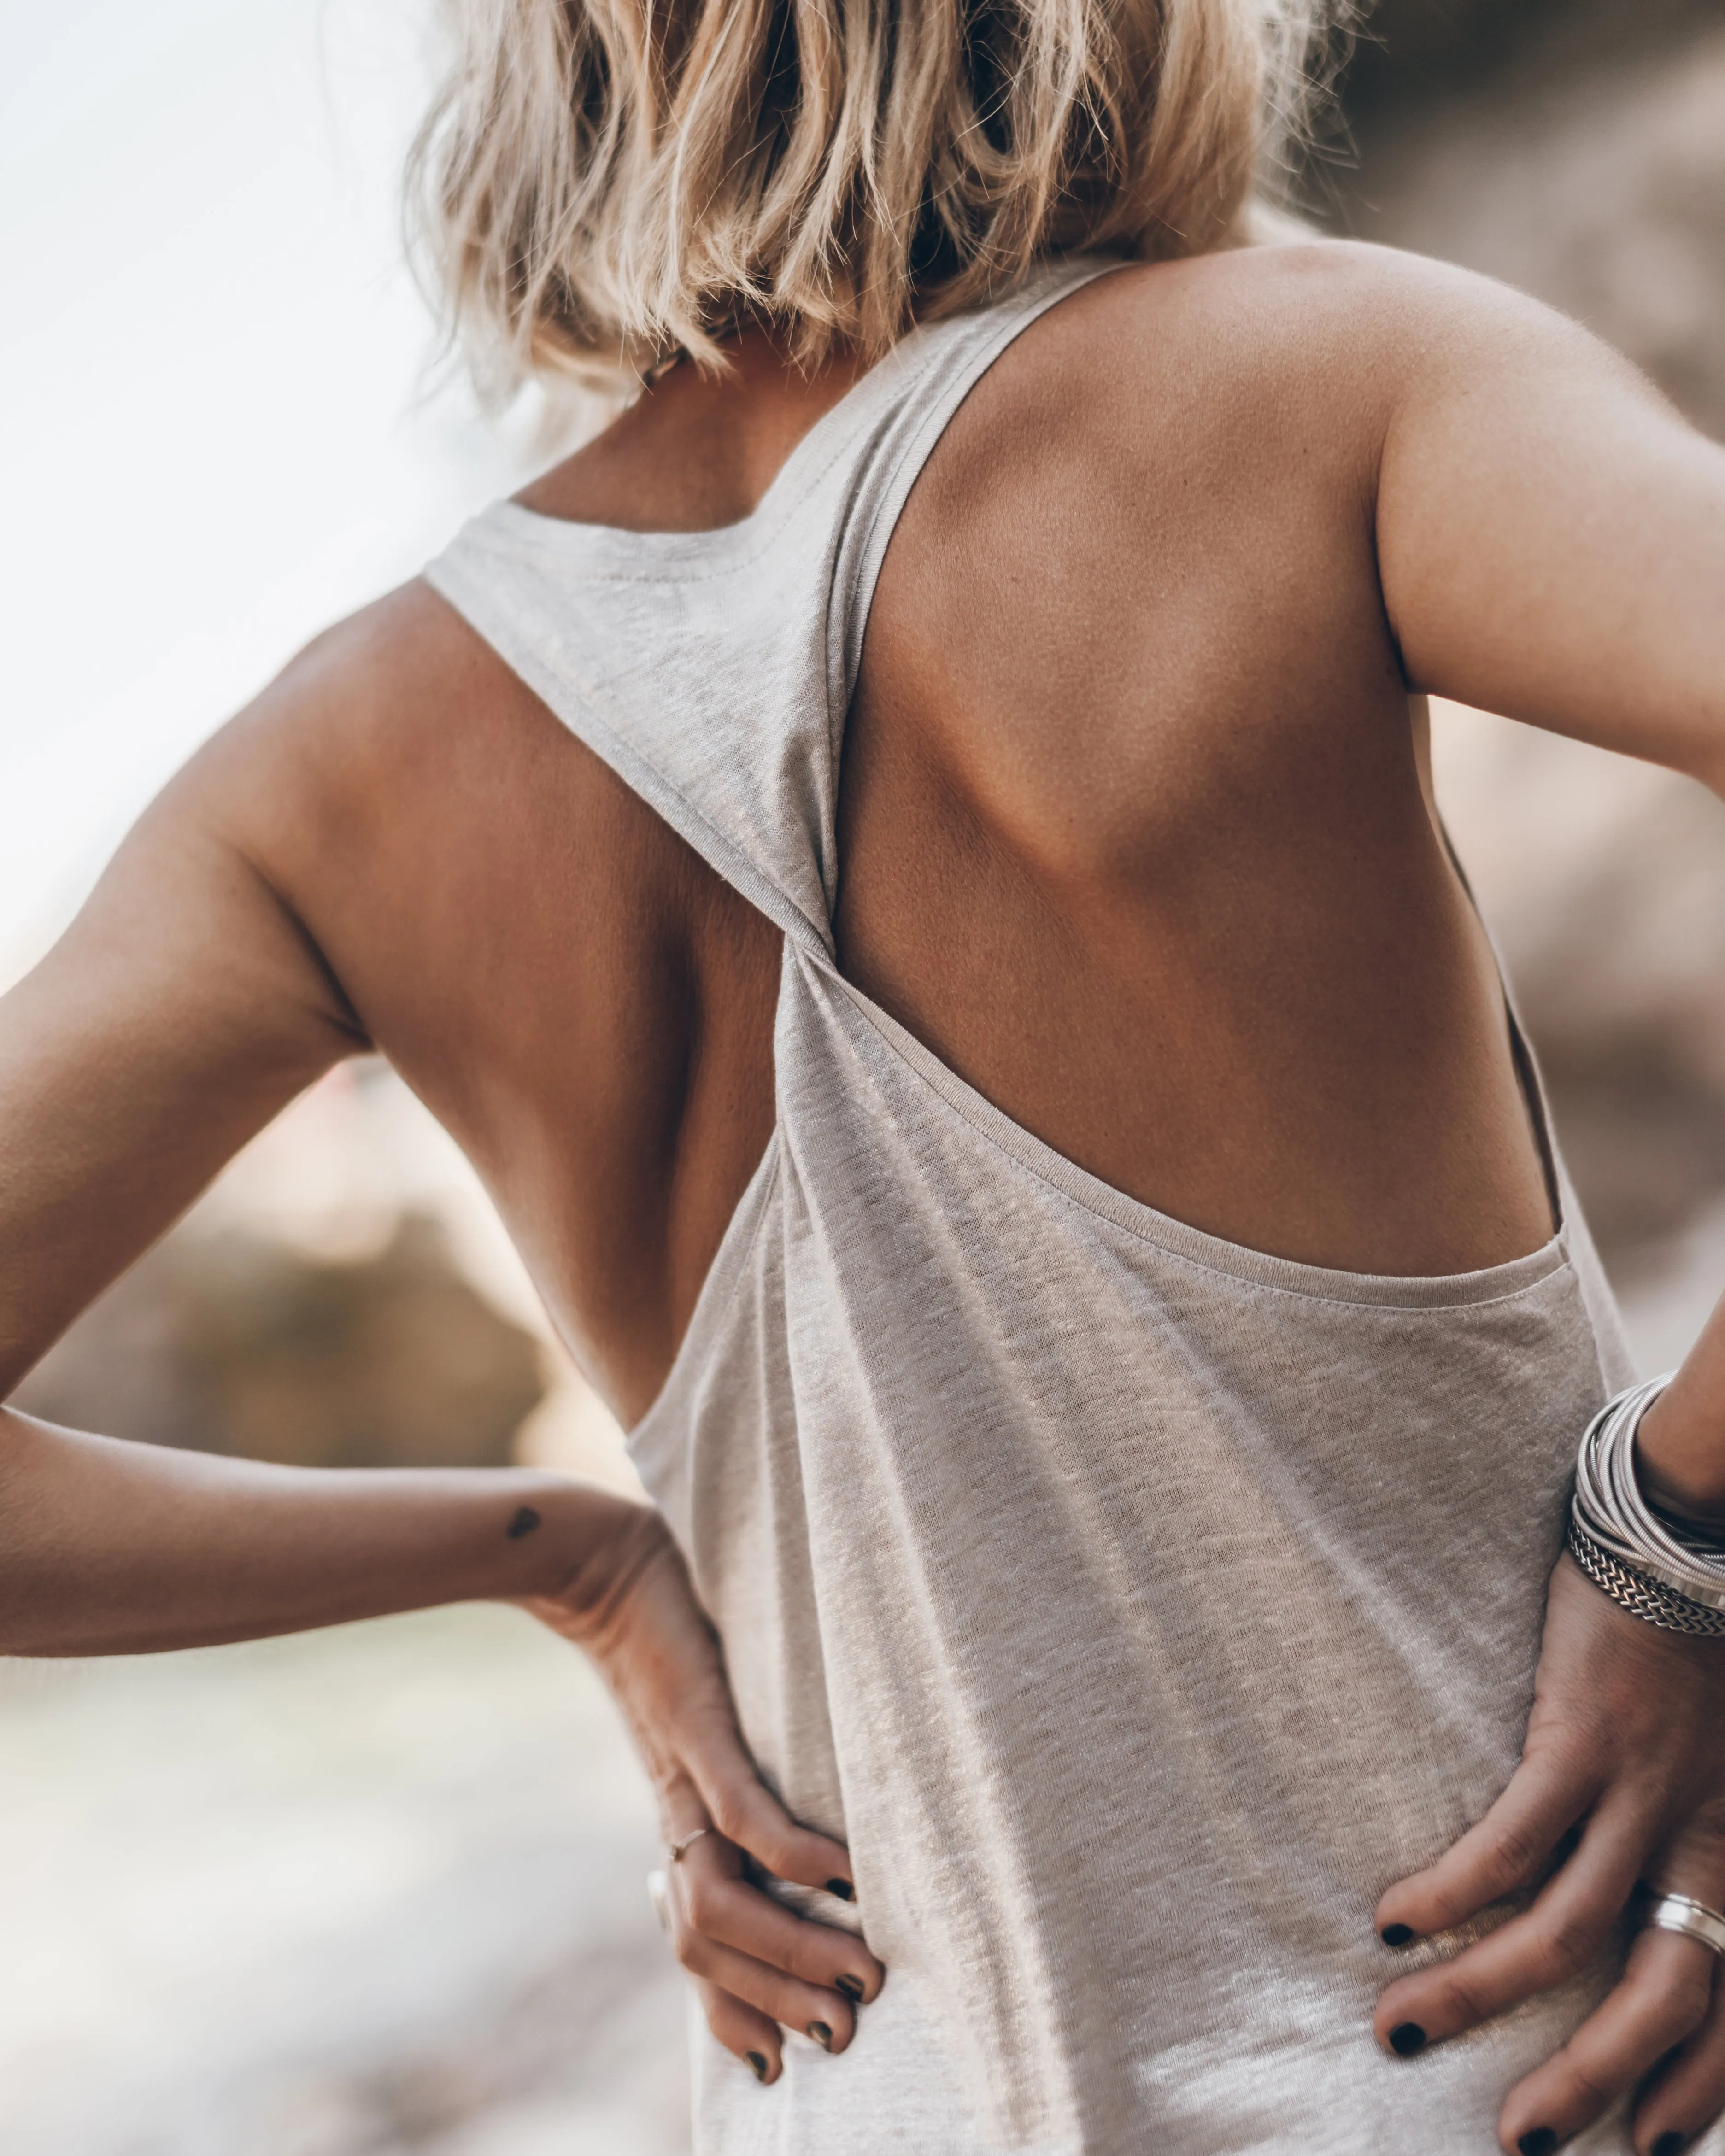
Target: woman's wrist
{"points": [[592, 1546], [1680, 1456], [1680, 1448]]}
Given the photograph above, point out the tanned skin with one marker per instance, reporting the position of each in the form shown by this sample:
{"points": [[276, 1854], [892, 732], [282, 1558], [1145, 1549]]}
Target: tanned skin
{"points": [[1140, 726]]}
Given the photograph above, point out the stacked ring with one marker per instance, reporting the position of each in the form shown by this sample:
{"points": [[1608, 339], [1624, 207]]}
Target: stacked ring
{"points": [[1678, 1912]]}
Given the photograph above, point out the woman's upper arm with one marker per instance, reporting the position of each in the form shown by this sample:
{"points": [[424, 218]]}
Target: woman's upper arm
{"points": [[182, 1010], [1551, 533]]}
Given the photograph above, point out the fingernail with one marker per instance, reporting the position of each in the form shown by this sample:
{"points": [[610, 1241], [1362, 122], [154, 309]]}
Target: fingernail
{"points": [[1538, 2141], [841, 1888], [757, 2060], [1396, 1935], [1669, 2143], [1407, 2040], [822, 2035], [851, 1986]]}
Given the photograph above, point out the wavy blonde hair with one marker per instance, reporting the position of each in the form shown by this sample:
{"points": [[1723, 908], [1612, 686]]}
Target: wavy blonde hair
{"points": [[603, 183]]}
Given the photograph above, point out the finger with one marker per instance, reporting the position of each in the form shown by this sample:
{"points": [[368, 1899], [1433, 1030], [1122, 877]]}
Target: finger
{"points": [[826, 2018], [746, 1812], [1507, 1849], [1554, 1940], [1663, 1997], [1687, 2094], [744, 2032], [719, 1901]]}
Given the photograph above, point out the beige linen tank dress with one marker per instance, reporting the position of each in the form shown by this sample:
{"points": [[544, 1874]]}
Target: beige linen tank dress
{"points": [[1135, 1605]]}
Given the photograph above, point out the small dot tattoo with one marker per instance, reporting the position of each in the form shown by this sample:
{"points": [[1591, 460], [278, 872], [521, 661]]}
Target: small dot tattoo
{"points": [[523, 1523]]}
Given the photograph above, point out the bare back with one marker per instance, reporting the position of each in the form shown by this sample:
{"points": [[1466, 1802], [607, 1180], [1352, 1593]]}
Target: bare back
{"points": [[1132, 727], [1097, 1171]]}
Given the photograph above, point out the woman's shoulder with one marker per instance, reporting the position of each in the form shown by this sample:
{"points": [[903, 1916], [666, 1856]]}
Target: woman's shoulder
{"points": [[1360, 323], [1301, 277], [1349, 322], [1297, 356]]}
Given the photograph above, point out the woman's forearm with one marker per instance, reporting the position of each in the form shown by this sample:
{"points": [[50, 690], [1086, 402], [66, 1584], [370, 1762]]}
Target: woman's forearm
{"points": [[108, 1547]]}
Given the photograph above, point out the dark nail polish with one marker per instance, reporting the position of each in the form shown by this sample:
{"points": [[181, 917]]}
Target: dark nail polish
{"points": [[1396, 1935], [1407, 2040], [822, 2035], [757, 2060], [1538, 2141], [842, 1888], [1669, 2143], [851, 1986]]}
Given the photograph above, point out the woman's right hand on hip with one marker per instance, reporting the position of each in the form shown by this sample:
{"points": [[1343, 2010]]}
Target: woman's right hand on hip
{"points": [[760, 1967]]}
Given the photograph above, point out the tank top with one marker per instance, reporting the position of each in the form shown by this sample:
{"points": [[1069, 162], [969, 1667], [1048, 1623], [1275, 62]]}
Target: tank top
{"points": [[1135, 1606]]}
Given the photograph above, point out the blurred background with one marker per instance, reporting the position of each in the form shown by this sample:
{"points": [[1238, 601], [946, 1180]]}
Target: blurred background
{"points": [[379, 1890]]}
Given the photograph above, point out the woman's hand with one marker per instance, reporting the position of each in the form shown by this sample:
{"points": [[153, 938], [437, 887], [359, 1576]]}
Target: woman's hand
{"points": [[756, 1965], [1625, 1760]]}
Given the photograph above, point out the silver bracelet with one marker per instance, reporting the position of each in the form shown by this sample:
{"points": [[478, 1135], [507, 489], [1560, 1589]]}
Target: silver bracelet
{"points": [[1623, 1545]]}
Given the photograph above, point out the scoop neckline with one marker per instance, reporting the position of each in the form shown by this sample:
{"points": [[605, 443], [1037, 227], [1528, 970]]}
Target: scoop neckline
{"points": [[813, 452], [1410, 1295], [1243, 1262]]}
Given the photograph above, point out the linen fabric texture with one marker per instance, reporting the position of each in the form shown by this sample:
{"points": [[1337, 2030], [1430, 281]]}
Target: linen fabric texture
{"points": [[1135, 1605]]}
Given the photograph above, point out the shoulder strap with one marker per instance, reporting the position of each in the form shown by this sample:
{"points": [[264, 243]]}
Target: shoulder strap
{"points": [[712, 670]]}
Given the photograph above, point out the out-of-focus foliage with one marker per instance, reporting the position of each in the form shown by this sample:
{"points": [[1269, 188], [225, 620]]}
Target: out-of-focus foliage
{"points": [[230, 1342]]}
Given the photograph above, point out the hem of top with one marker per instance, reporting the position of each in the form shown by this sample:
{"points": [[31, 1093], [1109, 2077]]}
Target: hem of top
{"points": [[1419, 1292]]}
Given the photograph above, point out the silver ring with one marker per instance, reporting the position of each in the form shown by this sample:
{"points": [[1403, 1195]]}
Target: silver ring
{"points": [[678, 1849], [1677, 1912]]}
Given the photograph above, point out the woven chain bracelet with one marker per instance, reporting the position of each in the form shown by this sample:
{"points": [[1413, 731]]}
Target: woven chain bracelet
{"points": [[1642, 1597]]}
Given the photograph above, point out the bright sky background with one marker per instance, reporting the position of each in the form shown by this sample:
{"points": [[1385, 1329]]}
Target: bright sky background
{"points": [[217, 427]]}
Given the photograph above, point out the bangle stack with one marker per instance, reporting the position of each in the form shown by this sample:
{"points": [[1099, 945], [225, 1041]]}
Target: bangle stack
{"points": [[1630, 1551]]}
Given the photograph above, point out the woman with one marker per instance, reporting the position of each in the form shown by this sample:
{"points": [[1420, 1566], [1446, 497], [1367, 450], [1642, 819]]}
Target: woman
{"points": [[908, 865]]}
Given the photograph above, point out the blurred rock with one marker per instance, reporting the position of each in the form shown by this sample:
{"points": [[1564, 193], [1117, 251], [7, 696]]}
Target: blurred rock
{"points": [[1604, 880], [1409, 54], [573, 1432], [1576, 149], [231, 1342], [1596, 184]]}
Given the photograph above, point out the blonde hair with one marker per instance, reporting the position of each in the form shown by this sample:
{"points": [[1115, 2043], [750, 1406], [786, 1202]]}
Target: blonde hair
{"points": [[603, 183]]}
